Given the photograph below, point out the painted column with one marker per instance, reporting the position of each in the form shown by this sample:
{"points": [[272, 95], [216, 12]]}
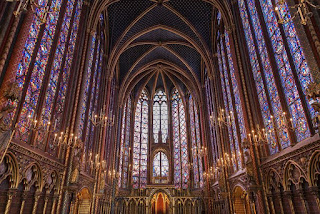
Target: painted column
{"points": [[288, 196], [23, 196], [10, 195], [270, 198], [35, 204]]}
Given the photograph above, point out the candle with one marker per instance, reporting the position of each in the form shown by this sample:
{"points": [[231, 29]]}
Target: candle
{"points": [[55, 137]]}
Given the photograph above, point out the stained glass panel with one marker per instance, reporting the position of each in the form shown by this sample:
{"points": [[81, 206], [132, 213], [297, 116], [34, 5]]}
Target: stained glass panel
{"points": [[160, 117], [140, 143], [181, 164]]}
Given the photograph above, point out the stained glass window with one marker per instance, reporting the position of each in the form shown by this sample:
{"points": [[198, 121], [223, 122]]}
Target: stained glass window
{"points": [[57, 71], [196, 144], [180, 146], [125, 145], [233, 110], [34, 85], [268, 91], [140, 142], [160, 168], [88, 78], [264, 79], [160, 117], [211, 111], [285, 71], [60, 72]]}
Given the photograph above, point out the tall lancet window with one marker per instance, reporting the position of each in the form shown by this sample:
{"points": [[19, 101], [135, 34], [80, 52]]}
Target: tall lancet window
{"points": [[140, 142], [160, 117], [232, 105], [41, 75], [290, 68], [125, 145], [180, 146], [196, 144], [160, 168]]}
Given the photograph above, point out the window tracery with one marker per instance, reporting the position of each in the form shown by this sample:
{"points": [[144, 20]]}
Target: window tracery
{"points": [[140, 142], [160, 117], [196, 144], [160, 168], [180, 146]]}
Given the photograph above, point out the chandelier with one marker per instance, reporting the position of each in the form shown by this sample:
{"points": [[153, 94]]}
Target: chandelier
{"points": [[46, 9], [224, 118], [102, 119], [302, 10]]}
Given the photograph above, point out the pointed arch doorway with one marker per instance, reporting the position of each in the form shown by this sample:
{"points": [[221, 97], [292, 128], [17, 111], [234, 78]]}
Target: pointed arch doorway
{"points": [[160, 204]]}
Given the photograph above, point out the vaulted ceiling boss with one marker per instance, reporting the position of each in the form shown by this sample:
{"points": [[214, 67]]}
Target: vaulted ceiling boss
{"points": [[159, 106]]}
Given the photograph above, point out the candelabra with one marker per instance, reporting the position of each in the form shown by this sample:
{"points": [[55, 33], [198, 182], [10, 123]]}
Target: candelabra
{"points": [[63, 138], [302, 11], [224, 118], [37, 125], [102, 119], [46, 9], [201, 151], [265, 135]]}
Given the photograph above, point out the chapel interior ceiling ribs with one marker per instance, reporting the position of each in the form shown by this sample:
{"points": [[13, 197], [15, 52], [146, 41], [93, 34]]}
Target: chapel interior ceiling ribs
{"points": [[146, 33]]}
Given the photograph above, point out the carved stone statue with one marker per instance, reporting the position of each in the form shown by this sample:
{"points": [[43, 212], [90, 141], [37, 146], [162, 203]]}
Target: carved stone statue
{"points": [[11, 94], [248, 161], [313, 93], [76, 164], [102, 181]]}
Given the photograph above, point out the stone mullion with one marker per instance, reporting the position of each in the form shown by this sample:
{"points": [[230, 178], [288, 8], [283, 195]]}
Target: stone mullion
{"points": [[47, 72]]}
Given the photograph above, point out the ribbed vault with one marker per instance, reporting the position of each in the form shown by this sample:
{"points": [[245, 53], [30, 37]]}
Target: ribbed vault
{"points": [[149, 38]]}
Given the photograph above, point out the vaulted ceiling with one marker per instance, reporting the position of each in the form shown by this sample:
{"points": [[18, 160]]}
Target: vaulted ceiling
{"points": [[174, 36]]}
